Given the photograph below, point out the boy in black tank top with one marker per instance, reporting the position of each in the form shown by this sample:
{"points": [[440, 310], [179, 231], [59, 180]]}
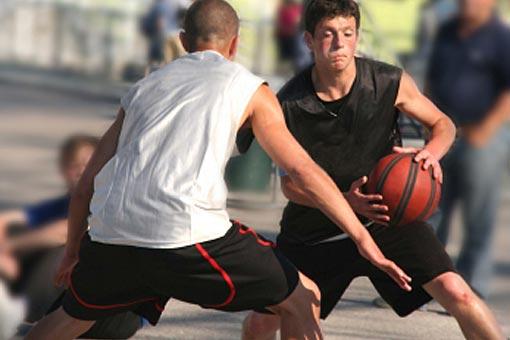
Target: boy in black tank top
{"points": [[343, 111]]}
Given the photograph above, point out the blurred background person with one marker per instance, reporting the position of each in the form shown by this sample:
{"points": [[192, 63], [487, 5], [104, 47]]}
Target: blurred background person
{"points": [[12, 308], [433, 14], [161, 26], [63, 67], [35, 235], [469, 79], [31, 248], [292, 52]]}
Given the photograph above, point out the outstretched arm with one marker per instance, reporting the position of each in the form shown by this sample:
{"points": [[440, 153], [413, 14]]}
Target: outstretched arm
{"points": [[80, 199], [51, 235], [81, 196], [269, 127]]}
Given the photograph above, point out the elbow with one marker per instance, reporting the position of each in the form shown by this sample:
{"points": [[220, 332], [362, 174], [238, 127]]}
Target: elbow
{"points": [[300, 172], [450, 126], [446, 126], [286, 190]]}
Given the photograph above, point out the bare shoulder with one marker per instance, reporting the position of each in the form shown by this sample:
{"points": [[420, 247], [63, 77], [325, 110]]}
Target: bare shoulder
{"points": [[407, 89]]}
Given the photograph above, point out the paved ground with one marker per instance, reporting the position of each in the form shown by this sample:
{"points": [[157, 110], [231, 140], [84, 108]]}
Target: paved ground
{"points": [[33, 123]]}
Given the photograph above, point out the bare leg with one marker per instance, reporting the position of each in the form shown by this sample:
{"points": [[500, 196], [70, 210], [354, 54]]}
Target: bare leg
{"points": [[258, 326], [474, 317], [58, 325], [300, 312]]}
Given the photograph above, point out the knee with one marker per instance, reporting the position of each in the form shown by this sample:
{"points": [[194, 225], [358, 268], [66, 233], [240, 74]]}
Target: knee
{"points": [[457, 291], [260, 326], [311, 289], [306, 295]]}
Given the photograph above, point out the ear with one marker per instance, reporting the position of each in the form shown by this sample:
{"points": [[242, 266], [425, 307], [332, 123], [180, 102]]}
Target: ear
{"points": [[184, 41], [309, 40], [232, 48]]}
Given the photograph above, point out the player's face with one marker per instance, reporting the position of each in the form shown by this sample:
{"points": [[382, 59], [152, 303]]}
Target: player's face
{"points": [[334, 42], [74, 169]]}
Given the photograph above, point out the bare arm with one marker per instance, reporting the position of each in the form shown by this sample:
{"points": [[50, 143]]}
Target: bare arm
{"points": [[413, 103], [80, 199], [81, 196], [294, 193], [367, 205], [479, 134], [269, 127], [442, 130], [51, 235], [500, 113]]}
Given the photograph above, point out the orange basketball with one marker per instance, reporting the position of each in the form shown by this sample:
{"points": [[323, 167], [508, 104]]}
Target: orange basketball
{"points": [[411, 193]]}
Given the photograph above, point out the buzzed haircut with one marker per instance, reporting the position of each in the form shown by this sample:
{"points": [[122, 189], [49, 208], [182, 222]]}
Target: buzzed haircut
{"points": [[317, 10], [210, 21], [72, 144]]}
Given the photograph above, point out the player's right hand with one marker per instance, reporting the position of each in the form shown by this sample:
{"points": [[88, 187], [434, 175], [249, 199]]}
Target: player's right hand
{"points": [[369, 250], [370, 205], [63, 276]]}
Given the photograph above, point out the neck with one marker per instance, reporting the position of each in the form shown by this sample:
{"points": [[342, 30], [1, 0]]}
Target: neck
{"points": [[470, 25], [331, 86], [212, 47]]}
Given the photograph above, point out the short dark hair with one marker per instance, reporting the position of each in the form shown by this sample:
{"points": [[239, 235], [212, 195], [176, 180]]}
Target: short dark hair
{"points": [[72, 144], [210, 20], [316, 10]]}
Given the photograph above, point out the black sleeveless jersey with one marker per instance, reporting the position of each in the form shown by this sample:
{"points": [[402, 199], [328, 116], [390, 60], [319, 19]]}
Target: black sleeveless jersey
{"points": [[346, 139]]}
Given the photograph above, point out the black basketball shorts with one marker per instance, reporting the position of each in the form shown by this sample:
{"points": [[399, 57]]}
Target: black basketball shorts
{"points": [[239, 271], [333, 265]]}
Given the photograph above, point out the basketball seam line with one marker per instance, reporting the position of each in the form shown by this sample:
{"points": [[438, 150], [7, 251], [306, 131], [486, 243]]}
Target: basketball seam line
{"points": [[432, 196], [386, 172], [408, 189]]}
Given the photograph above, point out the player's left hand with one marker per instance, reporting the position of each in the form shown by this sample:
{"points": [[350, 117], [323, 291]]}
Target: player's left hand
{"points": [[429, 160]]}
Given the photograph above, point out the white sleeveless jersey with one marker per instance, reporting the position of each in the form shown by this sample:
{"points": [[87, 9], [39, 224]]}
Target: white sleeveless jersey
{"points": [[164, 187]]}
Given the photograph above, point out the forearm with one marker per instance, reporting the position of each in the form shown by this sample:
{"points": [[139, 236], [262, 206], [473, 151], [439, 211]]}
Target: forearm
{"points": [[325, 195], [500, 113], [442, 135], [77, 222], [52, 235], [80, 199], [295, 194]]}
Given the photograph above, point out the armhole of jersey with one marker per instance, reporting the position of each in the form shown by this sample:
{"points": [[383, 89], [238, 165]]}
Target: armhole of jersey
{"points": [[398, 81], [244, 85]]}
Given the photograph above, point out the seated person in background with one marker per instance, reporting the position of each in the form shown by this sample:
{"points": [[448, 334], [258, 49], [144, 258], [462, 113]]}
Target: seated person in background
{"points": [[32, 240], [35, 234]]}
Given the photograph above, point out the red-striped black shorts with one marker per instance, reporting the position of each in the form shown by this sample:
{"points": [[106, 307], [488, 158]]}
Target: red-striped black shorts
{"points": [[239, 271]]}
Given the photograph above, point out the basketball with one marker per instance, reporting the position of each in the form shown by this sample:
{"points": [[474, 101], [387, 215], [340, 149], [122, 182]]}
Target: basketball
{"points": [[411, 193]]}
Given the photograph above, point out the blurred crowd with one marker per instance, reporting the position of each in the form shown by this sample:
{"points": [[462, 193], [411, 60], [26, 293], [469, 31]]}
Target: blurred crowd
{"points": [[465, 45]]}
